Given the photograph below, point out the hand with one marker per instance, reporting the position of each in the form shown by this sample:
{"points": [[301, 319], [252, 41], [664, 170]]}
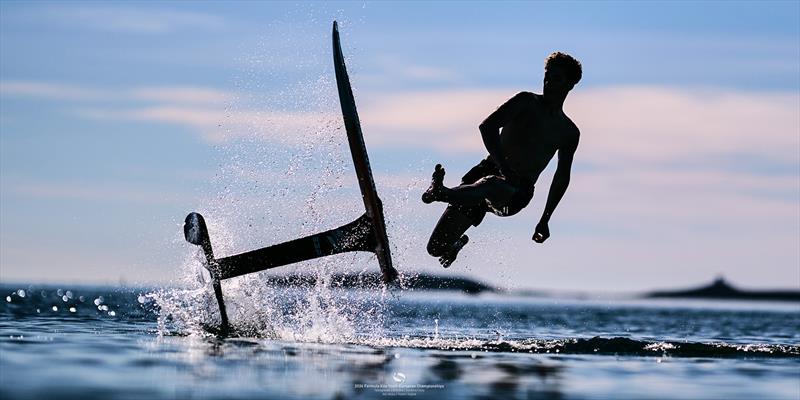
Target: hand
{"points": [[542, 232]]}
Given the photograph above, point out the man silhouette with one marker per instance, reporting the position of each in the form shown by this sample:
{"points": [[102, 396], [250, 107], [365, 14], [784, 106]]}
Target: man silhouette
{"points": [[534, 127]]}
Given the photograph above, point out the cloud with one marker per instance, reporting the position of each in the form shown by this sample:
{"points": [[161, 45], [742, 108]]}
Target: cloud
{"points": [[670, 180], [395, 71], [679, 200], [134, 20], [667, 177], [215, 115], [217, 125], [445, 120], [183, 94], [157, 94], [53, 91], [96, 191], [647, 124], [621, 126], [428, 73], [618, 124]]}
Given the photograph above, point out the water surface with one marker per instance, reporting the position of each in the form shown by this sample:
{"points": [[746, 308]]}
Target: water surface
{"points": [[104, 342]]}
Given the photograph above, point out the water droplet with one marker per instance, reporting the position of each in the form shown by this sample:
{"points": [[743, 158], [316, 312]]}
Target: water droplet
{"points": [[65, 298], [72, 309], [98, 300], [68, 294], [82, 299], [396, 355], [38, 311], [55, 308], [142, 299], [112, 313], [60, 292], [21, 293], [8, 299]]}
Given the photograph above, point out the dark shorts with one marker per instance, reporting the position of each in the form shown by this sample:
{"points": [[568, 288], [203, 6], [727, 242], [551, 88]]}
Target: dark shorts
{"points": [[523, 193]]}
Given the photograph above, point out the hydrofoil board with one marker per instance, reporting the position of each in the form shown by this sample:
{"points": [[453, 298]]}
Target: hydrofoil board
{"points": [[366, 233]]}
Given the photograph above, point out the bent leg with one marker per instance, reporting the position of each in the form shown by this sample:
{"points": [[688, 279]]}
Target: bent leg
{"points": [[448, 231], [493, 189]]}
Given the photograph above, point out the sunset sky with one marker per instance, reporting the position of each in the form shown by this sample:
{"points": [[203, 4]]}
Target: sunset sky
{"points": [[119, 118]]}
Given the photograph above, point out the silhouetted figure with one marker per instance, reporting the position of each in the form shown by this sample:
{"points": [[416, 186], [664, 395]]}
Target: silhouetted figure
{"points": [[534, 127]]}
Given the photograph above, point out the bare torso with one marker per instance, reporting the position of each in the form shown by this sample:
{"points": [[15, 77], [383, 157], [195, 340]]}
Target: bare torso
{"points": [[533, 134]]}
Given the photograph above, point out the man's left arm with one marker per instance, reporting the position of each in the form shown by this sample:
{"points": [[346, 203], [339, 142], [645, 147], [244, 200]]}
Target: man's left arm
{"points": [[557, 189]]}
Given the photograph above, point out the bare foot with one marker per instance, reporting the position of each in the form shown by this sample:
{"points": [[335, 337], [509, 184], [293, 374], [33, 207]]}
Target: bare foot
{"points": [[447, 259], [435, 189]]}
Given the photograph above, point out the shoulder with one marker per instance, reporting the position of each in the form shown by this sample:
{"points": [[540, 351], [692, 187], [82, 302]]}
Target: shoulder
{"points": [[528, 97], [525, 98], [523, 102], [516, 104], [534, 101]]}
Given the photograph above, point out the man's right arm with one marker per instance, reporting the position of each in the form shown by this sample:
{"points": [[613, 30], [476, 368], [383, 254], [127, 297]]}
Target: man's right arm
{"points": [[490, 130]]}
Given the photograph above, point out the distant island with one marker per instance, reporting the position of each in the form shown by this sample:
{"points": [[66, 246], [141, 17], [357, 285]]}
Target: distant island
{"points": [[370, 281], [719, 289]]}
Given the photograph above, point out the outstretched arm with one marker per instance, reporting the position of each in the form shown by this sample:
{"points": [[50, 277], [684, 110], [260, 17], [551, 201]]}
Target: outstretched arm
{"points": [[557, 189], [490, 130]]}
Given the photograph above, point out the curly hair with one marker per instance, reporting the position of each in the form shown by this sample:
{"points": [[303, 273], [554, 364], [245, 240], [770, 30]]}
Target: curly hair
{"points": [[571, 66]]}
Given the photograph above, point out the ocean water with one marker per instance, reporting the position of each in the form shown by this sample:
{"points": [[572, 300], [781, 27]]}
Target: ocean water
{"points": [[61, 342]]}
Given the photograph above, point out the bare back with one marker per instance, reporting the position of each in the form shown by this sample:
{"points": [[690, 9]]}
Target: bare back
{"points": [[530, 135]]}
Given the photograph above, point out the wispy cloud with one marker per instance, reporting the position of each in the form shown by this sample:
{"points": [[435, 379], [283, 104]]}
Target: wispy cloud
{"points": [[161, 94], [444, 120], [216, 125], [95, 191], [627, 125], [618, 124], [394, 70], [52, 91], [676, 201], [658, 124], [133, 20], [179, 94], [215, 115], [654, 176]]}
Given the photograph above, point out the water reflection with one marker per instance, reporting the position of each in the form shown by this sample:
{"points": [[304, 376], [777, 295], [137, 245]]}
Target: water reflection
{"points": [[309, 370]]}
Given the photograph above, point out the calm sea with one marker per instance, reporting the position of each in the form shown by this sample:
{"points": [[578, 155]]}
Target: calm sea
{"points": [[62, 342]]}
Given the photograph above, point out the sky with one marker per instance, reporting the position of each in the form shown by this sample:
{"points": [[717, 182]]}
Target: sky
{"points": [[119, 118]]}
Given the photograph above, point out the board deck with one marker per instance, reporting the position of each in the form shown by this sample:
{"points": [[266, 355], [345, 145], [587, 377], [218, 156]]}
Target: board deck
{"points": [[358, 151]]}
